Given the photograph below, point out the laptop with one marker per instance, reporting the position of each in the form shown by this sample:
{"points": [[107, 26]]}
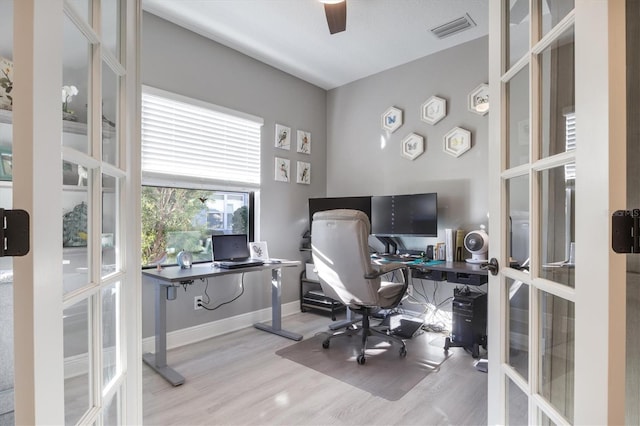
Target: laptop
{"points": [[231, 251]]}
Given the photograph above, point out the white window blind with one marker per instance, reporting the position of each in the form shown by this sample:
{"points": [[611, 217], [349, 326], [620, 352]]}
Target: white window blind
{"points": [[187, 137], [570, 144]]}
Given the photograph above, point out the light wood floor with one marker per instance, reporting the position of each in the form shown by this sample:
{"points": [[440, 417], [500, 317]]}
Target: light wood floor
{"points": [[237, 379]]}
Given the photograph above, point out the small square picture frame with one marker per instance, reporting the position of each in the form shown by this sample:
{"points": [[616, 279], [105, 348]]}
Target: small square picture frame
{"points": [[283, 137], [303, 172], [304, 142], [282, 169], [259, 250]]}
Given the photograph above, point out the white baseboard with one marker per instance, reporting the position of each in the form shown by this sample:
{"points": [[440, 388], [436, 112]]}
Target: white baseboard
{"points": [[77, 365], [200, 332]]}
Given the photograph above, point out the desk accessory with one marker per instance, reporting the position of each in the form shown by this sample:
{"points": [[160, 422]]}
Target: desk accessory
{"points": [[477, 243], [185, 259]]}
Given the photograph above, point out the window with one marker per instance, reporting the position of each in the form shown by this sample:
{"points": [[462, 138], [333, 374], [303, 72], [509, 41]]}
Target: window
{"points": [[201, 165], [176, 219]]}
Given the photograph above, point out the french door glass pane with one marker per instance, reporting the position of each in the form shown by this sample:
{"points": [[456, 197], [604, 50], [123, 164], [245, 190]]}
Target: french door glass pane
{"points": [[6, 202], [557, 191], [109, 115], [77, 362], [517, 405], [83, 7], [518, 338], [111, 26], [553, 11], [544, 420], [109, 230], [112, 410], [75, 225], [557, 347], [518, 104], [518, 214], [75, 87], [110, 333], [517, 30], [557, 72]]}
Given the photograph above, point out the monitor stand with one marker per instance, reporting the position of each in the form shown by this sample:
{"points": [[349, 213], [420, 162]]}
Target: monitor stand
{"points": [[390, 245]]}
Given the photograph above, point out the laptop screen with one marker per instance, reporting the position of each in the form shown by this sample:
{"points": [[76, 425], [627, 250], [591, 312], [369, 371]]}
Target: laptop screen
{"points": [[230, 247]]}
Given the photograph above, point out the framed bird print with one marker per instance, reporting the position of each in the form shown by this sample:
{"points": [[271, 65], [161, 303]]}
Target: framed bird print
{"points": [[304, 142], [282, 171], [303, 172], [283, 137]]}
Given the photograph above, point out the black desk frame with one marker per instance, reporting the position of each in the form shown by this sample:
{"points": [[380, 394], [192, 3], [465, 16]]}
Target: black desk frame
{"points": [[463, 273], [168, 279]]}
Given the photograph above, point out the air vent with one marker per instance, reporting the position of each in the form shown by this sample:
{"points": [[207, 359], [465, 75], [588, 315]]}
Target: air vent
{"points": [[454, 27]]}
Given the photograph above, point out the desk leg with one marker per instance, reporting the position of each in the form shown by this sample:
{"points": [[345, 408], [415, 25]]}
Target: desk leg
{"points": [[276, 309], [351, 319], [158, 361]]}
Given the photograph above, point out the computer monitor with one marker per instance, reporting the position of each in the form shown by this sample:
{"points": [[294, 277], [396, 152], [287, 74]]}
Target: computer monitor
{"points": [[355, 203], [405, 215]]}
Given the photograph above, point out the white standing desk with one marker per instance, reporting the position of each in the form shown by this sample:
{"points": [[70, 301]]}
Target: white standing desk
{"points": [[167, 281]]}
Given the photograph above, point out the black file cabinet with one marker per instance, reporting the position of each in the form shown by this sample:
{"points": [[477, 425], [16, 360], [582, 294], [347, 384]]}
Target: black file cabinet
{"points": [[469, 325]]}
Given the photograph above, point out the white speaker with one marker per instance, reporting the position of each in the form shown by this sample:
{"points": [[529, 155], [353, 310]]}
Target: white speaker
{"points": [[477, 243]]}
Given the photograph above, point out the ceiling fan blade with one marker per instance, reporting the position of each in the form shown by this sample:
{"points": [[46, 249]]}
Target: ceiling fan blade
{"points": [[336, 16]]}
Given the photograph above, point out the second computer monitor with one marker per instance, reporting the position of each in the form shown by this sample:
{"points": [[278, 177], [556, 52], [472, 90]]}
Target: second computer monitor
{"points": [[398, 215]]}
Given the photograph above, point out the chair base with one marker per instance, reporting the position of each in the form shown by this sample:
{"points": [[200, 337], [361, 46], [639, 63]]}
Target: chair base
{"points": [[366, 331]]}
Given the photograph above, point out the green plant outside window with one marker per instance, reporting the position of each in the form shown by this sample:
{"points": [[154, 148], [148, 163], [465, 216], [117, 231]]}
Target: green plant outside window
{"points": [[176, 219]]}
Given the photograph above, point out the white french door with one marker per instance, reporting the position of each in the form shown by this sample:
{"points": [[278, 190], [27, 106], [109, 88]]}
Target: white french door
{"points": [[557, 172], [75, 155]]}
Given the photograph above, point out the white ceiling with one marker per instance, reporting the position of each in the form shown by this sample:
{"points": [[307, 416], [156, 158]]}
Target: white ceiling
{"points": [[292, 35]]}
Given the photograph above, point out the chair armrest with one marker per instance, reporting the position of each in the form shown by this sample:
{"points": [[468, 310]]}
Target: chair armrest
{"points": [[386, 268]]}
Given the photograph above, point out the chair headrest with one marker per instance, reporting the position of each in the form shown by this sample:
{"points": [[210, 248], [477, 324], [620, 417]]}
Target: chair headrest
{"points": [[341, 214]]}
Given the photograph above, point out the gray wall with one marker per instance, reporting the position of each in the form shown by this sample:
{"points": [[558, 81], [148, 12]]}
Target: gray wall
{"points": [[346, 154], [359, 164], [180, 61], [363, 159]]}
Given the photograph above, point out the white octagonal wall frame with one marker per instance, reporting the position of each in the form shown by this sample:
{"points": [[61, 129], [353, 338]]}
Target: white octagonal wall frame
{"points": [[457, 141], [433, 110], [478, 101], [392, 119], [412, 146]]}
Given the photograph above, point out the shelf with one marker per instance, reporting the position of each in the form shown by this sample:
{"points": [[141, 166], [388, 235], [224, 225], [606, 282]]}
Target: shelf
{"points": [[73, 127], [312, 297]]}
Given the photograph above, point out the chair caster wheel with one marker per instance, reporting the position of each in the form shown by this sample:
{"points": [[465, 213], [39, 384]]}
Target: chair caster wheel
{"points": [[325, 344], [361, 359], [403, 352]]}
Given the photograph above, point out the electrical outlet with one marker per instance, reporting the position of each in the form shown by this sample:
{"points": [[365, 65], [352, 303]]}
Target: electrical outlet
{"points": [[410, 290], [197, 302]]}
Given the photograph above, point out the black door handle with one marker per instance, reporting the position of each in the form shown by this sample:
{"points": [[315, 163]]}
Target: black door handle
{"points": [[492, 266]]}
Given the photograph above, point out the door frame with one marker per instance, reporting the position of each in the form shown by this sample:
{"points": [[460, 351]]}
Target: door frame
{"points": [[600, 294], [38, 291]]}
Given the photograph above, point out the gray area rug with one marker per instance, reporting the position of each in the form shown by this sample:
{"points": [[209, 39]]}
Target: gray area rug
{"points": [[385, 373]]}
